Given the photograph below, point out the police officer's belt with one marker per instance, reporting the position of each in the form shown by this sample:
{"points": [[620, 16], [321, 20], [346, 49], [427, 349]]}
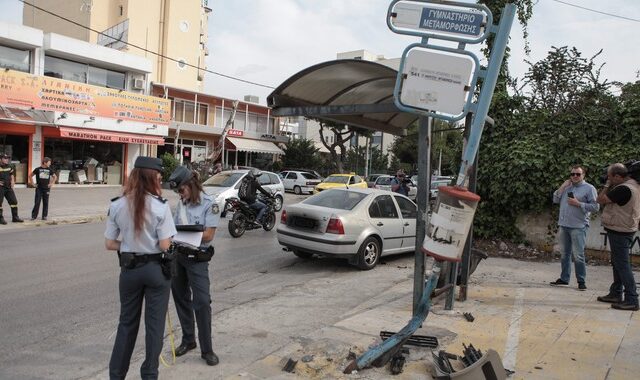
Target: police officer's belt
{"points": [[196, 254], [131, 260]]}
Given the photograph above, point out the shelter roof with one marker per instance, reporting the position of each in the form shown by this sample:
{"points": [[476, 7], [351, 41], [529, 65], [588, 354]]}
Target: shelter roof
{"points": [[349, 91]]}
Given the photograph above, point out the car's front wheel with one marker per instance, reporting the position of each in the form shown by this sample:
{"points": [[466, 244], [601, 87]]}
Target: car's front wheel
{"points": [[369, 253], [278, 204]]}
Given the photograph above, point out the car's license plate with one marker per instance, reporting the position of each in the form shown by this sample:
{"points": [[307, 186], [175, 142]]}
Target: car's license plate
{"points": [[304, 222]]}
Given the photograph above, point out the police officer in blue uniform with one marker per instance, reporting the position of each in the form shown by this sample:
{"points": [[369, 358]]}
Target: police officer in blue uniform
{"points": [[140, 227], [190, 285]]}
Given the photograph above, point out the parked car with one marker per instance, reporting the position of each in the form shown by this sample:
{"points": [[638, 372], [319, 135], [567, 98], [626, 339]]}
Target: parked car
{"points": [[225, 185], [383, 182], [433, 192], [342, 181], [371, 178], [302, 170], [299, 182], [358, 224]]}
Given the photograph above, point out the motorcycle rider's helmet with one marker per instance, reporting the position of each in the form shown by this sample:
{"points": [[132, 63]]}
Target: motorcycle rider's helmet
{"points": [[179, 177], [256, 172]]}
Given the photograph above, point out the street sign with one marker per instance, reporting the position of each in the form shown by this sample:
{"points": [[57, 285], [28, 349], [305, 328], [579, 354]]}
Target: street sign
{"points": [[455, 21], [436, 81]]}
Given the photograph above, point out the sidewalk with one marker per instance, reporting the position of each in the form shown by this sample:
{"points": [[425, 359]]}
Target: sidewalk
{"points": [[68, 204], [539, 331]]}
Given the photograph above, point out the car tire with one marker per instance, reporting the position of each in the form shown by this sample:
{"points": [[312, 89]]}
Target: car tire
{"points": [[279, 202], [297, 190], [302, 254], [369, 253]]}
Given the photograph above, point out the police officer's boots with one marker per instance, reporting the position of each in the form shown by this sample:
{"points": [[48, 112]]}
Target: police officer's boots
{"points": [[2, 221], [14, 216]]}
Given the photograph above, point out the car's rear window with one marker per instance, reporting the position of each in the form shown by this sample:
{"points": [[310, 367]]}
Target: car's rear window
{"points": [[383, 180], [338, 199], [336, 179], [308, 176]]}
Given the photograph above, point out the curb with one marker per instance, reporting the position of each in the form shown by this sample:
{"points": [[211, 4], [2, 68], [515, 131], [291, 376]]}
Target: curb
{"points": [[55, 222]]}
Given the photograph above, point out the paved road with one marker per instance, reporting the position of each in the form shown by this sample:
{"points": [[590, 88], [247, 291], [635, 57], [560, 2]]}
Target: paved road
{"points": [[58, 291]]}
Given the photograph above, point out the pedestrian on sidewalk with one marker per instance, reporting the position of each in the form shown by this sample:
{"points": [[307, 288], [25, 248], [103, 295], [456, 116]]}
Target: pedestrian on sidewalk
{"points": [[620, 198], [7, 182], [190, 285], [45, 178], [577, 200], [144, 220]]}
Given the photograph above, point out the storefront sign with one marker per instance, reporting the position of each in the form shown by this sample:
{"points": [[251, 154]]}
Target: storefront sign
{"points": [[268, 137], [53, 94], [123, 138], [235, 132]]}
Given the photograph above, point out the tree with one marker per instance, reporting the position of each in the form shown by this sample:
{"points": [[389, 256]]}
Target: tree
{"points": [[357, 158], [301, 153], [342, 134]]}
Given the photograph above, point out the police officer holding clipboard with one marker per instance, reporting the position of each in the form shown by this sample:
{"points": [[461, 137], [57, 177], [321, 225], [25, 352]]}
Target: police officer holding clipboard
{"points": [[190, 285], [140, 228]]}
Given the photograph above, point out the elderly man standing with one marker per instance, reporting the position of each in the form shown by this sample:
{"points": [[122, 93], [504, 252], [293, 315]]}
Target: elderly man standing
{"points": [[577, 200], [620, 198]]}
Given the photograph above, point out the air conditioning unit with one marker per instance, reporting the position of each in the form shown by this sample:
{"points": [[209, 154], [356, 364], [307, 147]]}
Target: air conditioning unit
{"points": [[138, 84]]}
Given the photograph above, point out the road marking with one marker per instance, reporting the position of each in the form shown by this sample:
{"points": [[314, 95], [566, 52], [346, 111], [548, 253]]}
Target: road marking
{"points": [[513, 336]]}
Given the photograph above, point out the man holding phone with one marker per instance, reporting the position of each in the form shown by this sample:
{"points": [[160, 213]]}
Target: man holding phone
{"points": [[577, 200]]}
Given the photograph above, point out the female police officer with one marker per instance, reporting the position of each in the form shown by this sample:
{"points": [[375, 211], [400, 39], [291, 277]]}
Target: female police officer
{"points": [[143, 220], [192, 275]]}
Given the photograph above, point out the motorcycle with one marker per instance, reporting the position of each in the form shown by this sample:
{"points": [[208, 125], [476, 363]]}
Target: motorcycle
{"points": [[244, 217]]}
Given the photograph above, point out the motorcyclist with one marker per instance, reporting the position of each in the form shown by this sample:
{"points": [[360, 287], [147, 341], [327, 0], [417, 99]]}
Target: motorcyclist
{"points": [[247, 193]]}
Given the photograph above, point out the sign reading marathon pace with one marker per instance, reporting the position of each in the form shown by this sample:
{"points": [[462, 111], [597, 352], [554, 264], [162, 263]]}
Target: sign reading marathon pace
{"points": [[452, 21]]}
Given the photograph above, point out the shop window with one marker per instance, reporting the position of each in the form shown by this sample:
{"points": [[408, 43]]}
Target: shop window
{"points": [[186, 142], [15, 59], [240, 121], [106, 78], [178, 110], [64, 69], [200, 143], [83, 73], [262, 124], [252, 122], [189, 112], [203, 111]]}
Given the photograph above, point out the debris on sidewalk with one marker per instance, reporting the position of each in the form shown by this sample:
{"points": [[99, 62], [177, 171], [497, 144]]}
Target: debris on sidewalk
{"points": [[472, 365], [290, 366], [397, 363], [468, 316], [414, 340]]}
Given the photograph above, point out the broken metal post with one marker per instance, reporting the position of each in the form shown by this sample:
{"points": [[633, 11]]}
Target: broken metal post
{"points": [[422, 222], [395, 341]]}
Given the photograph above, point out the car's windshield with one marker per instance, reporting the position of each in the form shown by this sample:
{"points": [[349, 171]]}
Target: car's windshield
{"points": [[336, 179], [339, 199], [383, 180], [224, 179]]}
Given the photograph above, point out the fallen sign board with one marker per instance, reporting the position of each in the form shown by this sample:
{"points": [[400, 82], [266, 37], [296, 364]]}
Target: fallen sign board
{"points": [[436, 81], [453, 21]]}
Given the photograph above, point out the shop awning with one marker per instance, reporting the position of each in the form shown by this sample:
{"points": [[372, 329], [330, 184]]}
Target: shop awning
{"points": [[108, 136], [256, 146], [18, 115]]}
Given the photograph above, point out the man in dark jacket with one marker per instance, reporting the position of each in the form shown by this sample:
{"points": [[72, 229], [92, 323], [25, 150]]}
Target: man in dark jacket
{"points": [[7, 182], [247, 193]]}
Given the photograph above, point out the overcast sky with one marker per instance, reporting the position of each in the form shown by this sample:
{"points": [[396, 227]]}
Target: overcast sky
{"points": [[267, 41]]}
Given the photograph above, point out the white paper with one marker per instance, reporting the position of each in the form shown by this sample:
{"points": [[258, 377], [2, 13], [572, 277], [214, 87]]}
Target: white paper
{"points": [[188, 238]]}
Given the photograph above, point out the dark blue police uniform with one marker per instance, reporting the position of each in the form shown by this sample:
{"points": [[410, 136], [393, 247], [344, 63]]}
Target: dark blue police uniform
{"points": [[191, 285], [145, 281]]}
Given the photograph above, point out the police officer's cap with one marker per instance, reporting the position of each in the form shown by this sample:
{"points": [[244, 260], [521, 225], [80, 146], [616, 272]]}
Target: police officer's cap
{"points": [[179, 177], [143, 162]]}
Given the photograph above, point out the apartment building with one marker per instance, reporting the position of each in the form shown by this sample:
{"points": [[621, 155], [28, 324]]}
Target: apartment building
{"points": [[176, 30]]}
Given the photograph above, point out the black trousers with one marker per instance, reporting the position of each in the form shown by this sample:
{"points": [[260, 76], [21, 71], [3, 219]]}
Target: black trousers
{"points": [[190, 287], [41, 194], [143, 283], [7, 192]]}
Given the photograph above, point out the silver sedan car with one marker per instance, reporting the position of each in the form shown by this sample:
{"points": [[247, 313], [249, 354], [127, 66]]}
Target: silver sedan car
{"points": [[358, 224]]}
